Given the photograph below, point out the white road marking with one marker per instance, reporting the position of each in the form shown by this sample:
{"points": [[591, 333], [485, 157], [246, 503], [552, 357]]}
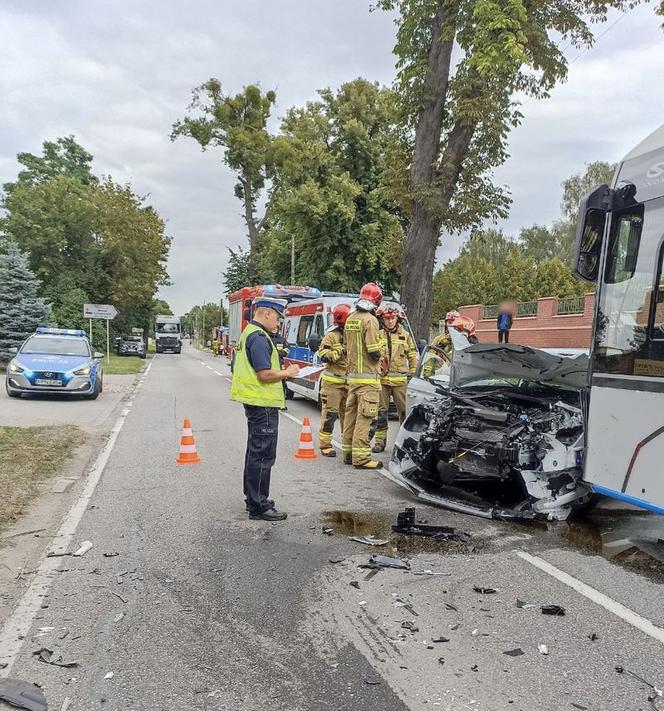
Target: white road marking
{"points": [[17, 626], [618, 609]]}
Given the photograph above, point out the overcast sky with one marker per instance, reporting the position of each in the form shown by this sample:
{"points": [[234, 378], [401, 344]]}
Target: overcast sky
{"points": [[117, 74]]}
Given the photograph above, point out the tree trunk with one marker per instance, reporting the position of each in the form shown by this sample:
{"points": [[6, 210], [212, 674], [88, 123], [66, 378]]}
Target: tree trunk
{"points": [[252, 229], [422, 239]]}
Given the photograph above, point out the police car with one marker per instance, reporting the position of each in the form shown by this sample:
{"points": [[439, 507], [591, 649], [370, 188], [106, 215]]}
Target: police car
{"points": [[55, 360]]}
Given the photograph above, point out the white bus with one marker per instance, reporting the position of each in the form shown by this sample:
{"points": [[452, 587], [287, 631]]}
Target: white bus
{"points": [[620, 247]]}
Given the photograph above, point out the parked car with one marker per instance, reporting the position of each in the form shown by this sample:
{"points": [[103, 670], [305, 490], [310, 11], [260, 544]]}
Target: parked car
{"points": [[497, 431], [55, 361], [130, 346]]}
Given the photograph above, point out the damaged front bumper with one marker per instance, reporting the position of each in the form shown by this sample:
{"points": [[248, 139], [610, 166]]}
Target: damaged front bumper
{"points": [[550, 490]]}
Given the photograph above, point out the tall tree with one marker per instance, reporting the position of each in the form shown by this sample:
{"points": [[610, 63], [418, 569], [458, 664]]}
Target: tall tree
{"points": [[338, 196], [237, 273], [460, 112], [21, 307], [238, 125]]}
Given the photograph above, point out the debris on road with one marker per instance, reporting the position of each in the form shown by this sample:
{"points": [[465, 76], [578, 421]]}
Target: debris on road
{"points": [[48, 656], [328, 531], [65, 704], [451, 607], [110, 555], [85, 547], [386, 561], [22, 695], [369, 540], [354, 584], [514, 652], [109, 675], [555, 610], [406, 605], [411, 626], [440, 639], [117, 594], [429, 572], [524, 605], [578, 706], [407, 525], [484, 591], [117, 618], [372, 682], [543, 649], [336, 559], [593, 637]]}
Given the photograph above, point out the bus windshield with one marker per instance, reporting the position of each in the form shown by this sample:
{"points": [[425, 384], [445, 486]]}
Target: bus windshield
{"points": [[627, 337]]}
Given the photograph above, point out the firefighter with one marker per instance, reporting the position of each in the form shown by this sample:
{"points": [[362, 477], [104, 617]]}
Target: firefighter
{"points": [[400, 362], [333, 389], [444, 342], [363, 354]]}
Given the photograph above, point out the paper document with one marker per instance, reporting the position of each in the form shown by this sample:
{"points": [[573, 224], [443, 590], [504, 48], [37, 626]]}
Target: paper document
{"points": [[310, 370]]}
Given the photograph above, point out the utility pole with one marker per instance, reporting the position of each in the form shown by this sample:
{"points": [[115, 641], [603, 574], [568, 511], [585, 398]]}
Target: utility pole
{"points": [[292, 260], [204, 338]]}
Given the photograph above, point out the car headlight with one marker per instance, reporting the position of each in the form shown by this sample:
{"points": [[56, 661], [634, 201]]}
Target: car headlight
{"points": [[16, 368], [83, 371]]}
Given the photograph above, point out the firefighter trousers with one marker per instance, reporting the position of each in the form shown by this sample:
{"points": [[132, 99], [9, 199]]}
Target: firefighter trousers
{"points": [[333, 400], [361, 411], [398, 393]]}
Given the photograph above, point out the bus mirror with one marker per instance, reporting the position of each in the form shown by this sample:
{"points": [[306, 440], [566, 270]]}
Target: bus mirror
{"points": [[590, 232], [314, 343]]}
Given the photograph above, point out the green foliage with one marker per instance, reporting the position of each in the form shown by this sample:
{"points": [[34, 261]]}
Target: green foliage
{"points": [[87, 240], [238, 125], [161, 308], [237, 273], [339, 161], [21, 308], [199, 322]]}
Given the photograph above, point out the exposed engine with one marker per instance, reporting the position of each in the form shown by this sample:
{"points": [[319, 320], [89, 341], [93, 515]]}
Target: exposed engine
{"points": [[505, 452]]}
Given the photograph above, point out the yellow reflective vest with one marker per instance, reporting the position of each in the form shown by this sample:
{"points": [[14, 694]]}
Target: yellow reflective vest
{"points": [[333, 351], [401, 355], [362, 337], [246, 387]]}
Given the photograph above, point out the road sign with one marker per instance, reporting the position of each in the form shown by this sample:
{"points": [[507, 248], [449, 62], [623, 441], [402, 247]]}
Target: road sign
{"points": [[137, 331], [103, 311]]}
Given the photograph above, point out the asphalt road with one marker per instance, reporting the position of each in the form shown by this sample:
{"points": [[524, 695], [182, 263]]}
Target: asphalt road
{"points": [[196, 607]]}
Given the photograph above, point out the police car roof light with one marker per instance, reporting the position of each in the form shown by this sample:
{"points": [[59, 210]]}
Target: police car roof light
{"points": [[60, 331]]}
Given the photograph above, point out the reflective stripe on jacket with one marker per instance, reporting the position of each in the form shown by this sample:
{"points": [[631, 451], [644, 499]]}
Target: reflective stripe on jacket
{"points": [[246, 387], [362, 338]]}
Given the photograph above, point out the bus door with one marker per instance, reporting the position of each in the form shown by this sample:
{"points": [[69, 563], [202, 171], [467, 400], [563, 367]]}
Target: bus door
{"points": [[625, 407]]}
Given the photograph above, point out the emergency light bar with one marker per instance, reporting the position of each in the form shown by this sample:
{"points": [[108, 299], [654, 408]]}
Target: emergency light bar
{"points": [[302, 292], [60, 331]]}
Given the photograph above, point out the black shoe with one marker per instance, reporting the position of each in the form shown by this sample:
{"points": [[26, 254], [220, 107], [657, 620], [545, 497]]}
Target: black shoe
{"points": [[269, 501], [348, 458], [269, 515]]}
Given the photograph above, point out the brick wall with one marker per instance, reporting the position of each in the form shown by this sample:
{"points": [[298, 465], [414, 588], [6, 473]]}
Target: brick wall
{"points": [[545, 330]]}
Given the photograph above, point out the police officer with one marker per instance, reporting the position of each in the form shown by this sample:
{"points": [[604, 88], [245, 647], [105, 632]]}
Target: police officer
{"points": [[400, 362], [363, 354], [333, 388], [257, 384]]}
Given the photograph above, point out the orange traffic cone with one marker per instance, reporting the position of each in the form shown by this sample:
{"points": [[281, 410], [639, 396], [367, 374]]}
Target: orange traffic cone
{"points": [[188, 454], [306, 449]]}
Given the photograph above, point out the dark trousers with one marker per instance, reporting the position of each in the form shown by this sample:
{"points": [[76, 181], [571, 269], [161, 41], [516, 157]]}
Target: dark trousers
{"points": [[504, 336], [262, 435]]}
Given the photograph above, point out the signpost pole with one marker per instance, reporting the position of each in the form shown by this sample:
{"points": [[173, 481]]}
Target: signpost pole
{"points": [[108, 342], [91, 331]]}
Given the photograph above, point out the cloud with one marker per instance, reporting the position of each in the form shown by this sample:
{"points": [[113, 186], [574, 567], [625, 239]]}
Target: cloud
{"points": [[117, 75]]}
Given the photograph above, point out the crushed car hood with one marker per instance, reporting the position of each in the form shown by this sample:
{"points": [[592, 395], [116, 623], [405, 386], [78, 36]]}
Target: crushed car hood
{"points": [[473, 363]]}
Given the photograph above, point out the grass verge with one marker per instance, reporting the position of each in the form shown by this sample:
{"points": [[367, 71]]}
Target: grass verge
{"points": [[124, 365], [28, 456]]}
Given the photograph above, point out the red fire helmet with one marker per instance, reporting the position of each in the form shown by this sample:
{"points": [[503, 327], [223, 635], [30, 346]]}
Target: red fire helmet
{"points": [[340, 314], [372, 292]]}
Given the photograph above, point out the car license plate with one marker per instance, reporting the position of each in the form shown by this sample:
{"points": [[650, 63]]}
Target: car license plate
{"points": [[42, 381]]}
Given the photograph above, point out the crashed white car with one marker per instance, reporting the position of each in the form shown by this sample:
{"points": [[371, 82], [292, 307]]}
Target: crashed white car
{"points": [[498, 433]]}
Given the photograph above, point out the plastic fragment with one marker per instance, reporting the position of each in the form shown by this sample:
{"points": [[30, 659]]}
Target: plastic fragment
{"points": [[440, 639], [22, 695], [109, 675], [48, 656], [484, 591], [354, 584], [555, 610], [543, 649], [514, 652], [524, 605], [85, 547], [386, 561], [369, 540]]}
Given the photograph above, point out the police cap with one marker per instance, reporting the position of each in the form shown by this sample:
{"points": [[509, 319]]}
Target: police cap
{"points": [[265, 302]]}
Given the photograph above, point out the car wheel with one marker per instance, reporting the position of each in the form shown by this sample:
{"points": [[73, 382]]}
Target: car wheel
{"points": [[11, 393], [144, 356], [97, 391]]}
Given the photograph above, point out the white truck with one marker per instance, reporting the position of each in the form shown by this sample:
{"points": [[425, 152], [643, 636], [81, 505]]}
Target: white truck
{"points": [[167, 334]]}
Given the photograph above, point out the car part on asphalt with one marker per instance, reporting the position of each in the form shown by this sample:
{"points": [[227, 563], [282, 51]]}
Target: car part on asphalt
{"points": [[514, 652], [429, 572], [22, 695], [543, 649], [502, 438], [406, 524], [48, 656], [386, 561], [85, 547], [524, 605], [440, 639], [369, 540], [554, 610], [411, 626], [354, 584], [484, 591]]}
